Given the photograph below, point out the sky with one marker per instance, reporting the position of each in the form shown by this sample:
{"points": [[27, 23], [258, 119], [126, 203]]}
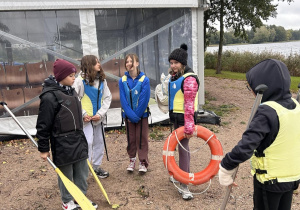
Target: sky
{"points": [[288, 15]]}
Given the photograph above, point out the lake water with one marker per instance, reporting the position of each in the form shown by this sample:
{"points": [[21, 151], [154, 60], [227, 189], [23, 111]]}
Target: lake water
{"points": [[285, 48]]}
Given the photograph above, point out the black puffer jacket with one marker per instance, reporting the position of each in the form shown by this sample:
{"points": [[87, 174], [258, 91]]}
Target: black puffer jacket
{"points": [[60, 121], [264, 126]]}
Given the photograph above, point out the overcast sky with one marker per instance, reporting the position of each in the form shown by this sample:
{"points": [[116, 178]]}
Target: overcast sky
{"points": [[288, 15]]}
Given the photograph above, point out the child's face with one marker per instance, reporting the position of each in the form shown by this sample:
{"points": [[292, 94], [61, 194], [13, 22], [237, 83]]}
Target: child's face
{"points": [[97, 66], [175, 65], [69, 80], [131, 64]]}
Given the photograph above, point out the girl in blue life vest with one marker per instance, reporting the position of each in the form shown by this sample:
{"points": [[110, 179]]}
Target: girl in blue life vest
{"points": [[96, 97], [271, 141], [134, 96], [183, 104]]}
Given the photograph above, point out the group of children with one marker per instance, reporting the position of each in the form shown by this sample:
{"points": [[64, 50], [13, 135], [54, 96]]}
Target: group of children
{"points": [[74, 128]]}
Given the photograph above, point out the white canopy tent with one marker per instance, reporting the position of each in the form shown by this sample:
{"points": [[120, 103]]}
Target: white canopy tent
{"points": [[109, 29]]}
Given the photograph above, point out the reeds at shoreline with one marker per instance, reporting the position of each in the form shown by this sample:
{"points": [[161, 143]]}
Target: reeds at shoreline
{"points": [[242, 61]]}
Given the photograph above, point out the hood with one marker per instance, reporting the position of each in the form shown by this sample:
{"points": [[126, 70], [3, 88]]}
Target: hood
{"points": [[188, 70], [275, 75], [51, 85]]}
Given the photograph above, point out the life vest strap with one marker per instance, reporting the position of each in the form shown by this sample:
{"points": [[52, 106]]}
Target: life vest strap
{"points": [[258, 171], [272, 181], [258, 154]]}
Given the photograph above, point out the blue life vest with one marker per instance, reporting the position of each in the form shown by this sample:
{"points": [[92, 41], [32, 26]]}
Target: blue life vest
{"points": [[91, 101], [176, 96], [132, 95]]}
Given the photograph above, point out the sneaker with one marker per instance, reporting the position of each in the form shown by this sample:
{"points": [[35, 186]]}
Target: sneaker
{"points": [[185, 192], [173, 180], [142, 168], [131, 165], [101, 173], [69, 206], [94, 204]]}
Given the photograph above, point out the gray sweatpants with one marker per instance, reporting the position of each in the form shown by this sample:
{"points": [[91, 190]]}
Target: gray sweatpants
{"points": [[76, 172], [94, 137], [184, 156]]}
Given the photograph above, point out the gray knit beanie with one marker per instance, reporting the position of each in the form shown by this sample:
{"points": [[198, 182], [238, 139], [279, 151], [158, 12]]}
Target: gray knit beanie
{"points": [[180, 54]]}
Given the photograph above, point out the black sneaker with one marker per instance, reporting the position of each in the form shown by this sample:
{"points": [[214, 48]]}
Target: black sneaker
{"points": [[101, 173]]}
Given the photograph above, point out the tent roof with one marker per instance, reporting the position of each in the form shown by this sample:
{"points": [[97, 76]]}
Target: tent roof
{"points": [[7, 5]]}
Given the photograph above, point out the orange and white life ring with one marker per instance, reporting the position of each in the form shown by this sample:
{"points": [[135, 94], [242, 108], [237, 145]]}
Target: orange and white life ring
{"points": [[193, 178]]}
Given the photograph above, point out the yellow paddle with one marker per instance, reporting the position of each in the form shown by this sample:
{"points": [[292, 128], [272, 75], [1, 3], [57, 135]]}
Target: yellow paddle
{"points": [[81, 199], [114, 206]]}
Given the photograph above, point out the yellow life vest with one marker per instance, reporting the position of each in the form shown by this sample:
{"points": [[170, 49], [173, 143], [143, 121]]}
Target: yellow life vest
{"points": [[280, 161], [177, 97]]}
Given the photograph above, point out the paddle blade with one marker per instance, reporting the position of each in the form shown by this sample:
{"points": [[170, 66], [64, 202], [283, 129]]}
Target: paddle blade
{"points": [[98, 181], [81, 199]]}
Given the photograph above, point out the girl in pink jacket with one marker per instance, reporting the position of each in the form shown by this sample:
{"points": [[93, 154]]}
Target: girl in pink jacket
{"points": [[183, 103]]}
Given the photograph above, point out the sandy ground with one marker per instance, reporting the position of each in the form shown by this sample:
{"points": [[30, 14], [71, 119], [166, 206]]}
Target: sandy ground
{"points": [[26, 182]]}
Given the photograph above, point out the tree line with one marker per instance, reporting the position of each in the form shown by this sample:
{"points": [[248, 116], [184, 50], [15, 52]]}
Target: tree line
{"points": [[266, 33], [239, 15]]}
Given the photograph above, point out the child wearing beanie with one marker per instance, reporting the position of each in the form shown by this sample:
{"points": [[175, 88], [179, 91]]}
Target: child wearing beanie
{"points": [[59, 124], [183, 104]]}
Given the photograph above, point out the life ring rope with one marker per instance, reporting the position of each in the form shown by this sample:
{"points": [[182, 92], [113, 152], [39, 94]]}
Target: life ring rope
{"points": [[168, 154], [194, 192], [196, 150]]}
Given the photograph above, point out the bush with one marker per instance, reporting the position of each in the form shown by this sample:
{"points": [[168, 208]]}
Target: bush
{"points": [[242, 61]]}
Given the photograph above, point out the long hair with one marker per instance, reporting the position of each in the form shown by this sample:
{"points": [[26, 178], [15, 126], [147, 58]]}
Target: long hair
{"points": [[133, 57], [179, 73], [88, 73]]}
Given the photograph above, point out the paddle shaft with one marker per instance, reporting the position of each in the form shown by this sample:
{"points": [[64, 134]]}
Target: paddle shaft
{"points": [[25, 131]]}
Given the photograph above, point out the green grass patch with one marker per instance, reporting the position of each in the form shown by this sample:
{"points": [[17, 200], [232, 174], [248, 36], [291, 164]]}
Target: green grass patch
{"points": [[225, 74], [220, 110], [242, 76]]}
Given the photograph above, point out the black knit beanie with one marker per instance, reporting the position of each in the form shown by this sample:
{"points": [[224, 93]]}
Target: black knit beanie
{"points": [[180, 54]]}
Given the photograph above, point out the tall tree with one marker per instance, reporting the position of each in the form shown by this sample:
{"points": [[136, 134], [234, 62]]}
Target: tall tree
{"points": [[237, 14]]}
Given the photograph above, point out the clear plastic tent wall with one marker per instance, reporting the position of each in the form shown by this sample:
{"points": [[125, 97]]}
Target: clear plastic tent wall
{"points": [[30, 42]]}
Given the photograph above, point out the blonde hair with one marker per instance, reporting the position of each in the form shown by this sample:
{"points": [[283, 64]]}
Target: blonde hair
{"points": [[180, 72]]}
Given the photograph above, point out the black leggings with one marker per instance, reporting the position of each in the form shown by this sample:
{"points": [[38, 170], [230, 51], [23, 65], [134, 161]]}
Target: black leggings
{"points": [[274, 200]]}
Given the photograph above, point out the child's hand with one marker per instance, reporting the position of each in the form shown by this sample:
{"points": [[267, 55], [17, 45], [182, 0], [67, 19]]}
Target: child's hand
{"points": [[87, 118], [96, 117], [44, 155], [188, 136]]}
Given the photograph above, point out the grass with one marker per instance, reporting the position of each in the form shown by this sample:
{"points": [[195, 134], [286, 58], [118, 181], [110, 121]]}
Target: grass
{"points": [[242, 76]]}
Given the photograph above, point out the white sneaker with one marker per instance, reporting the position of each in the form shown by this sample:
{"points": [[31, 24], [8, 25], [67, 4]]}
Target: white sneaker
{"points": [[185, 192], [131, 165], [173, 180], [94, 204], [142, 168], [69, 206]]}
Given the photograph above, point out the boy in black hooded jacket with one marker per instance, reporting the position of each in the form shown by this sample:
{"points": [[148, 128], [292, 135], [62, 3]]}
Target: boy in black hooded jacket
{"points": [[59, 120], [272, 140]]}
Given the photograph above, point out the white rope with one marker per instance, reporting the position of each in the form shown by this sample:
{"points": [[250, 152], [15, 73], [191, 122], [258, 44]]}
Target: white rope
{"points": [[168, 151], [178, 188], [196, 149]]}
